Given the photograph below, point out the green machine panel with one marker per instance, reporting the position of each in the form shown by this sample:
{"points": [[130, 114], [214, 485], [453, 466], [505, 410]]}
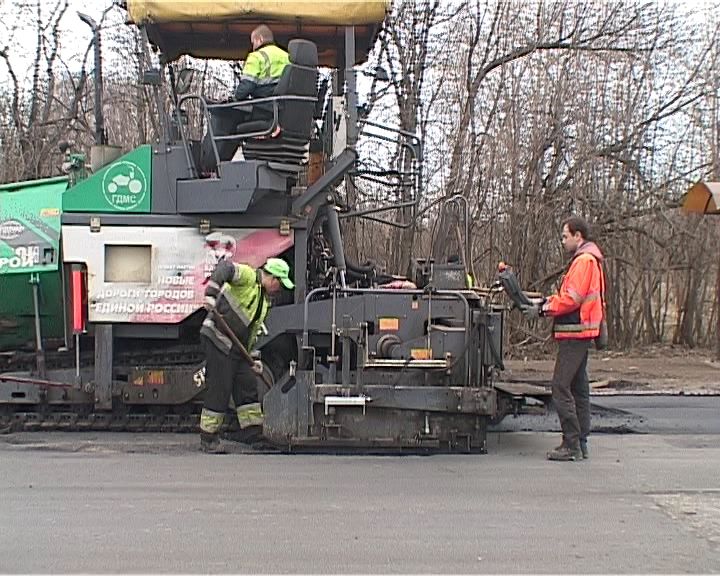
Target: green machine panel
{"points": [[122, 186], [30, 249]]}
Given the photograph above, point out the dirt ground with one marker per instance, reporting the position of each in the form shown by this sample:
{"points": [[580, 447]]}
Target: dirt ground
{"points": [[649, 371]]}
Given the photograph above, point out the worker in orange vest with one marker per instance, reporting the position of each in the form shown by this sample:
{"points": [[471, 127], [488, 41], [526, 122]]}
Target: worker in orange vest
{"points": [[578, 312]]}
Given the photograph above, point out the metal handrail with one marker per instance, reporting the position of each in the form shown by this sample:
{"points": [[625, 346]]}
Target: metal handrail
{"points": [[238, 105]]}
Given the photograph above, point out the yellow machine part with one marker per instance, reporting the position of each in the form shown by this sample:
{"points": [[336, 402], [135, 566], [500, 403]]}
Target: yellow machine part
{"points": [[221, 28], [332, 12]]}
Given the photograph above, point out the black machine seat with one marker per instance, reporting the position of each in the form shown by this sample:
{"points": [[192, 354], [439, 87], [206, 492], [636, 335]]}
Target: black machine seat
{"points": [[284, 137]]}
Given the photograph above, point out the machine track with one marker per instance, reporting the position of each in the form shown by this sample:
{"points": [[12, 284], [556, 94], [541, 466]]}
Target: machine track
{"points": [[77, 417], [66, 421]]}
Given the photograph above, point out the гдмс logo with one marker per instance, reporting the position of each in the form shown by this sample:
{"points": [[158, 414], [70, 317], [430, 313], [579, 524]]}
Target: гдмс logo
{"points": [[124, 185]]}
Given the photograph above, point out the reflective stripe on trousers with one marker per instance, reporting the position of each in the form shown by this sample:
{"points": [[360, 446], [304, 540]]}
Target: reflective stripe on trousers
{"points": [[250, 415], [210, 421]]}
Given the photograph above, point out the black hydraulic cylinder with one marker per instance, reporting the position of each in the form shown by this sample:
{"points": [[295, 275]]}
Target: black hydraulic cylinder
{"points": [[336, 241]]}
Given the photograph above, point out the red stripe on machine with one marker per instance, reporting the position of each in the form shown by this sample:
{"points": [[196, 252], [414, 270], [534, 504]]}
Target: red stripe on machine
{"points": [[77, 285]]}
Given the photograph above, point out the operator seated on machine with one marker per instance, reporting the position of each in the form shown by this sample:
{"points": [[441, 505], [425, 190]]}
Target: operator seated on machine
{"points": [[261, 73]]}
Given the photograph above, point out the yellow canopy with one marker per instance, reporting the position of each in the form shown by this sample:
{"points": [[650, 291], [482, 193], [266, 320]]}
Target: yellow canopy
{"points": [[221, 28], [336, 12], [702, 198]]}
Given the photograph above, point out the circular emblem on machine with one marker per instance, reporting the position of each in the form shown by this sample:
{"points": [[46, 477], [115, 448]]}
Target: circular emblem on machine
{"points": [[124, 185], [10, 229]]}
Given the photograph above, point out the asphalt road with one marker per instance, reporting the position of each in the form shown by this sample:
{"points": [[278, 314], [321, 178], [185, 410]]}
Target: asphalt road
{"points": [[668, 414], [635, 414], [101, 503]]}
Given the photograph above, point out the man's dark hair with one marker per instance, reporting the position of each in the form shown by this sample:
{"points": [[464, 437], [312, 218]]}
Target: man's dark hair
{"points": [[577, 224]]}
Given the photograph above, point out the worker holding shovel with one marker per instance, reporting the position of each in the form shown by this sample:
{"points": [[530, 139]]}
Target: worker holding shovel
{"points": [[237, 300]]}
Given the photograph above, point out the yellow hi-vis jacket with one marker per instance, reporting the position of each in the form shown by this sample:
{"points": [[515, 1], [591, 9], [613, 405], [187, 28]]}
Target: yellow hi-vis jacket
{"points": [[261, 72], [236, 292]]}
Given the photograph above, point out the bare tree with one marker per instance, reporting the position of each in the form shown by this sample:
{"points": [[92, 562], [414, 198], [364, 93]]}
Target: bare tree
{"points": [[537, 112], [530, 112]]}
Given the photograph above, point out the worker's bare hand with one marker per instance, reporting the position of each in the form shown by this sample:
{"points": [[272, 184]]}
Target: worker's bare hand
{"points": [[257, 367]]}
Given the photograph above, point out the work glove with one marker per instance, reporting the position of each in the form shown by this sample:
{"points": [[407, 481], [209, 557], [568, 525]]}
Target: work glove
{"points": [[209, 303], [531, 311], [257, 367]]}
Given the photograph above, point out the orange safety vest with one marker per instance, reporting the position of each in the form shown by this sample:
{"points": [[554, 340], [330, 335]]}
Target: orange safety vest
{"points": [[578, 307]]}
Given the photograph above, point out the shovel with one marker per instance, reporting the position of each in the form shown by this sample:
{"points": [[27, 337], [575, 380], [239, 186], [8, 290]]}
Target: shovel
{"points": [[243, 351]]}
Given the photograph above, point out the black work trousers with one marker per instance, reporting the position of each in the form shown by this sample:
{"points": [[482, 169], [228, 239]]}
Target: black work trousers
{"points": [[224, 121], [571, 390], [226, 376]]}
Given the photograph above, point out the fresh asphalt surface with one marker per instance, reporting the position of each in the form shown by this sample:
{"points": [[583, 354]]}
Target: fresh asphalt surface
{"points": [[636, 414], [668, 414], [101, 502]]}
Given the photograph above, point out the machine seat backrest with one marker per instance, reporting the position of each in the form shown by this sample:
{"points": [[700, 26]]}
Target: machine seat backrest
{"points": [[299, 79]]}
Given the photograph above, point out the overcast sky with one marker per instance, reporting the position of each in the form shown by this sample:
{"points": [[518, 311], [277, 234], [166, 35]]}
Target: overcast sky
{"points": [[18, 34]]}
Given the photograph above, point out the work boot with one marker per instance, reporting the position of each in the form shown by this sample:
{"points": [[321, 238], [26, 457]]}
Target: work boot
{"points": [[245, 436], [564, 454], [584, 449], [210, 443]]}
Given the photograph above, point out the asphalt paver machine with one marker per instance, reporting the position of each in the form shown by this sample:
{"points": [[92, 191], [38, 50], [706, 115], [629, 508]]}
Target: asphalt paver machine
{"points": [[104, 274]]}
